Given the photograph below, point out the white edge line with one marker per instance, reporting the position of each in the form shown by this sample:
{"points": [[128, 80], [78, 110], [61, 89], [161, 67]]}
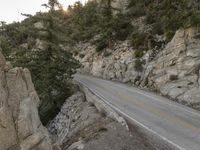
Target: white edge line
{"points": [[169, 102], [137, 122]]}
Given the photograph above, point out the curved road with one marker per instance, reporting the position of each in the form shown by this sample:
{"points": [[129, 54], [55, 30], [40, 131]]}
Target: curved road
{"points": [[176, 124]]}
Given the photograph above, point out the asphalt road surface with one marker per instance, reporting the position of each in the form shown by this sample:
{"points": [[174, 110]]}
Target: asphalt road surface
{"points": [[176, 124]]}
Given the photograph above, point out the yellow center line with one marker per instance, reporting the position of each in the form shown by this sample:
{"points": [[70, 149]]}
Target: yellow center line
{"points": [[158, 112]]}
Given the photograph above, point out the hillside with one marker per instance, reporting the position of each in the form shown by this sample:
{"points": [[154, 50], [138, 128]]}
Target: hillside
{"points": [[160, 54], [153, 45]]}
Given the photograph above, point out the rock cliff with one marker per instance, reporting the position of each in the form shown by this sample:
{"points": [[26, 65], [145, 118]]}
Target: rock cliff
{"points": [[175, 70], [172, 71], [20, 125]]}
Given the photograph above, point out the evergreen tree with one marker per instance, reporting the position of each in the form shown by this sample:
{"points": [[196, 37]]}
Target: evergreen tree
{"points": [[51, 66]]}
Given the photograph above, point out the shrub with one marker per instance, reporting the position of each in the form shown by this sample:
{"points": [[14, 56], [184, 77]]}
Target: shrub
{"points": [[158, 28], [136, 11], [101, 45], [135, 8], [169, 35], [195, 18], [138, 39], [138, 53], [122, 28], [150, 18], [5, 45]]}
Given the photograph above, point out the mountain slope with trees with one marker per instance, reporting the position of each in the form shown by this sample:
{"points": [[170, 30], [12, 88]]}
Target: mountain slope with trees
{"points": [[47, 42]]}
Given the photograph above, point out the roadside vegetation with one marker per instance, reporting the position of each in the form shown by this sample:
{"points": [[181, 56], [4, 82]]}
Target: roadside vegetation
{"points": [[39, 42]]}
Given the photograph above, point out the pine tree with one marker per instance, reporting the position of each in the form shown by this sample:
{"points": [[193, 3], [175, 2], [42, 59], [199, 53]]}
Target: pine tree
{"points": [[51, 66]]}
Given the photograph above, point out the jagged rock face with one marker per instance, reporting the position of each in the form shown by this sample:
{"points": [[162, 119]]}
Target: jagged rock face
{"points": [[174, 71], [20, 125], [118, 65]]}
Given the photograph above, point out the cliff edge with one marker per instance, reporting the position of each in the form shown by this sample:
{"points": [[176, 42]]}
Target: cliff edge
{"points": [[20, 125]]}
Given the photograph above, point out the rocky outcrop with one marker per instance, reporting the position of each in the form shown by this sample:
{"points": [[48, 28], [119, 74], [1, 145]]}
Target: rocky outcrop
{"points": [[20, 125], [79, 126], [174, 71], [117, 5], [117, 64]]}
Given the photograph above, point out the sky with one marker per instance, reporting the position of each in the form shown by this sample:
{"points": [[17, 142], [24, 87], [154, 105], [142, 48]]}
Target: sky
{"points": [[10, 10]]}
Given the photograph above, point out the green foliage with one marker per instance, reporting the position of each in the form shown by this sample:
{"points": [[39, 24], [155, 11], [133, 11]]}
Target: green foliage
{"points": [[158, 28], [121, 27], [101, 45], [81, 21], [138, 39], [150, 19], [52, 4], [138, 53], [85, 22], [167, 15], [169, 35], [136, 8], [136, 11], [51, 66], [195, 18], [5, 45]]}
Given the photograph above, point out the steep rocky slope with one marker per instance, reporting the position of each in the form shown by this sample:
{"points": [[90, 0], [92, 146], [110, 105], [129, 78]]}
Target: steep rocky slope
{"points": [[174, 71], [20, 126], [79, 126]]}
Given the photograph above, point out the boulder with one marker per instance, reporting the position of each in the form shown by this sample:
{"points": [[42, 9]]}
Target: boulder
{"points": [[192, 96], [97, 67], [174, 89]]}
